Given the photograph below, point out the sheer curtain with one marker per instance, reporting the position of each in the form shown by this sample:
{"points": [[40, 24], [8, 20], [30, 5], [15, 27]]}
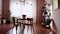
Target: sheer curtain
{"points": [[28, 8]]}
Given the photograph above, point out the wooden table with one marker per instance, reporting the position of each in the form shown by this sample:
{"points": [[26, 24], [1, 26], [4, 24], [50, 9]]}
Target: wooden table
{"points": [[28, 19]]}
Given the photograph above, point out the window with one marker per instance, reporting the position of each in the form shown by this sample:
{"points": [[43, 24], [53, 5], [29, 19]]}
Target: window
{"points": [[18, 8]]}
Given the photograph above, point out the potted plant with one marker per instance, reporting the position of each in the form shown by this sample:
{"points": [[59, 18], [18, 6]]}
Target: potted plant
{"points": [[8, 16]]}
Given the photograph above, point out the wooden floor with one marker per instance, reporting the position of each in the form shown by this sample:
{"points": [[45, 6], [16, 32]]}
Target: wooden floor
{"points": [[35, 29]]}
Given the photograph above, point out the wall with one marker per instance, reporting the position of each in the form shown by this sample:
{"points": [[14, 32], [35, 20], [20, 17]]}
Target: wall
{"points": [[0, 10], [34, 10], [55, 4], [56, 17], [0, 5], [58, 3]]}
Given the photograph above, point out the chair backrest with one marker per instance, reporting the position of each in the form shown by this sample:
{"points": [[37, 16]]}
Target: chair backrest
{"points": [[13, 18], [3, 20]]}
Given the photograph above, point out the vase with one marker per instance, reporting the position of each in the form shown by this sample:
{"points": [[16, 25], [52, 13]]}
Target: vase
{"points": [[24, 16]]}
